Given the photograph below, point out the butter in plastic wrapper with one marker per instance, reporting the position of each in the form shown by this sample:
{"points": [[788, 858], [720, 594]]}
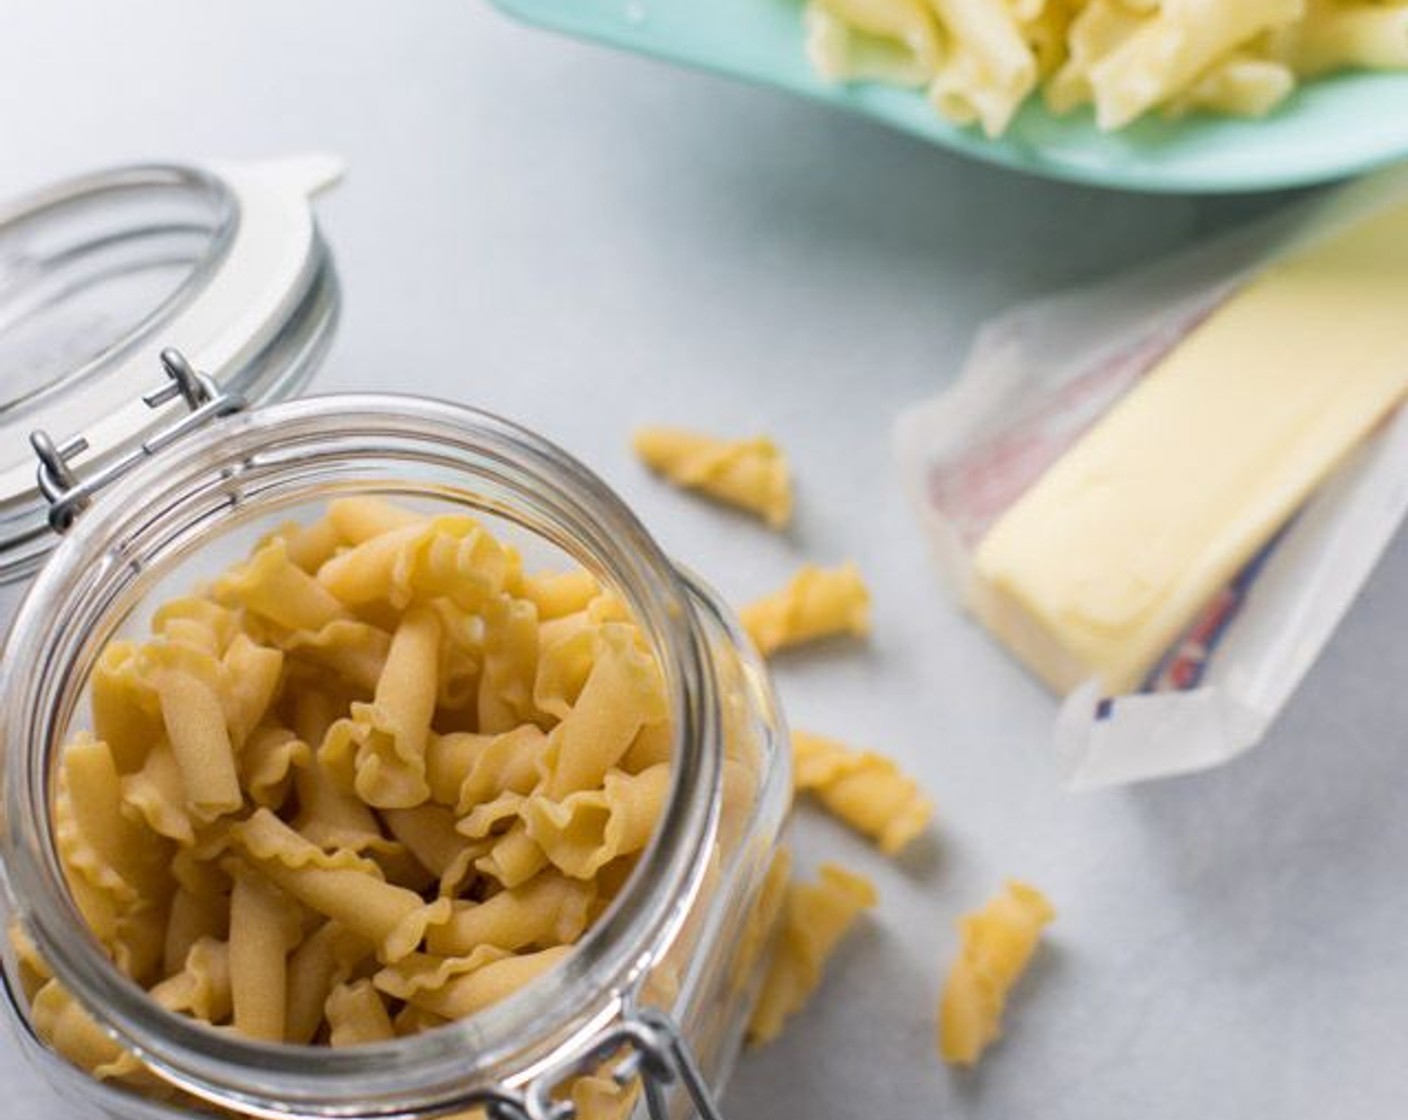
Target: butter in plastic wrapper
{"points": [[1044, 375]]}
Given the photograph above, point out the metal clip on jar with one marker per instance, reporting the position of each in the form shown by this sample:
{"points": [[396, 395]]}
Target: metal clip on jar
{"points": [[153, 484]]}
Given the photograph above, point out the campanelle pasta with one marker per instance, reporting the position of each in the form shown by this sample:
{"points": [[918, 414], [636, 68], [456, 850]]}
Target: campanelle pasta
{"points": [[750, 474], [980, 60], [815, 917], [998, 942], [816, 603], [864, 789], [373, 779]]}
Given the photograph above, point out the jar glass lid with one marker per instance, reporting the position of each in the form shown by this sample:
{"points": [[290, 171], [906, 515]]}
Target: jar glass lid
{"points": [[101, 274]]}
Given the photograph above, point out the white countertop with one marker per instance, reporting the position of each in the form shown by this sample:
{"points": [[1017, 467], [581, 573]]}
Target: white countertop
{"points": [[583, 241]]}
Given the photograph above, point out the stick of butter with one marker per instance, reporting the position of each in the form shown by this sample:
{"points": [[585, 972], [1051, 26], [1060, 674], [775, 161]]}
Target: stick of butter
{"points": [[1106, 560]]}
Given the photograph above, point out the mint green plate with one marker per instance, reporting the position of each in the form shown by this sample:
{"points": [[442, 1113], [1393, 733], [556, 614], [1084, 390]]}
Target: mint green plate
{"points": [[1328, 129]]}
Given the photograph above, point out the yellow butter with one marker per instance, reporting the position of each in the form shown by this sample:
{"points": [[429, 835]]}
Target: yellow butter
{"points": [[1097, 569]]}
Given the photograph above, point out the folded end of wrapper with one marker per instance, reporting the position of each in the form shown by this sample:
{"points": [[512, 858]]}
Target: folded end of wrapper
{"points": [[1102, 742]]}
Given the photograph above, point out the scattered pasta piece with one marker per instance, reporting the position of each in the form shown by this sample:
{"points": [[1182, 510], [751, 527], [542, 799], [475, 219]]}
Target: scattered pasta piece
{"points": [[815, 917], [864, 789], [751, 474], [816, 603], [998, 941]]}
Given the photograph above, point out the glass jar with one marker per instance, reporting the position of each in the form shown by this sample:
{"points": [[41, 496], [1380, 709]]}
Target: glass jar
{"points": [[666, 976]]}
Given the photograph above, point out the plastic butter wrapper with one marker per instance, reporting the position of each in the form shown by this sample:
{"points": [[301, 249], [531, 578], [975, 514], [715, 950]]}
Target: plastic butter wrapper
{"points": [[1042, 375]]}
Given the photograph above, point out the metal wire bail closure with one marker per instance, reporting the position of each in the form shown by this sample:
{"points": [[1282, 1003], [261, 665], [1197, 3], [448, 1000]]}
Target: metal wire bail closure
{"points": [[67, 494], [656, 1052]]}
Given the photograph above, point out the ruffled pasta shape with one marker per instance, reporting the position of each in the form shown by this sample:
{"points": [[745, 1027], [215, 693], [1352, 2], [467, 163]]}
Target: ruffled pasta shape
{"points": [[126, 709], [548, 910], [380, 751], [156, 795], [341, 886], [816, 603], [268, 762], [505, 698], [325, 959], [353, 650], [895, 41], [451, 557], [816, 916], [63, 1024], [273, 587], [514, 859], [357, 1015], [428, 833], [264, 925], [866, 790], [623, 693], [588, 829], [558, 594], [465, 769], [749, 474], [191, 919], [997, 943], [201, 988], [456, 988]]}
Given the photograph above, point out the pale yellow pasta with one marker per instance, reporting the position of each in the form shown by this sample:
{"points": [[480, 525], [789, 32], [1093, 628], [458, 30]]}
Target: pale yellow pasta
{"points": [[344, 887], [558, 594], [267, 764], [380, 750], [359, 519], [264, 926], [623, 693], [514, 859], [70, 1030], [895, 41], [1127, 57], [989, 69], [357, 1015], [465, 769], [201, 988], [588, 829], [429, 834], [200, 742], [324, 960], [815, 917], [451, 556], [1336, 34], [1240, 84], [353, 650], [550, 909], [997, 943], [192, 918], [371, 711], [1097, 29], [749, 474], [120, 844], [505, 698], [457, 988], [1173, 47], [272, 586], [816, 603], [864, 789], [126, 709]]}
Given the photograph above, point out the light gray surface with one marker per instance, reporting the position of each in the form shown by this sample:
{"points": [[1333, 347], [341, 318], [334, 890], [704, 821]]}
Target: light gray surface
{"points": [[584, 241]]}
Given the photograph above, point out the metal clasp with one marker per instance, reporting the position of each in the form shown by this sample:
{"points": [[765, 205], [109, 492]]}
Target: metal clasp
{"points": [[655, 1051], [67, 494]]}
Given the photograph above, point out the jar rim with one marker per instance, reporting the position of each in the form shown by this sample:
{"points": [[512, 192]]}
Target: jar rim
{"points": [[506, 1043]]}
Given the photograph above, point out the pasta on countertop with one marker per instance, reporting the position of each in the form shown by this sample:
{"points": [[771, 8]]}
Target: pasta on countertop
{"points": [[997, 944]]}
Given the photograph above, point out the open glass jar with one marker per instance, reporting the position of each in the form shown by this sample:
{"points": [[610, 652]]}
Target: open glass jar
{"points": [[661, 983]]}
